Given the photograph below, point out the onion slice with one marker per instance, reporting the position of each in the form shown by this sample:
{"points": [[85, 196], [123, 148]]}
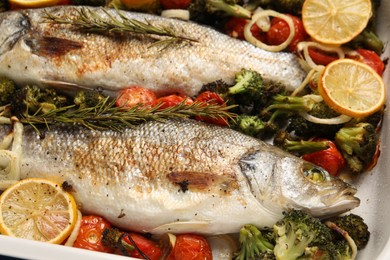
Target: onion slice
{"points": [[176, 13], [75, 231], [260, 16], [341, 119]]}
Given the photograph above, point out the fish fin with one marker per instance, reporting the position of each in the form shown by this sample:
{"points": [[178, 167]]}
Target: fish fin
{"points": [[181, 227], [52, 46]]}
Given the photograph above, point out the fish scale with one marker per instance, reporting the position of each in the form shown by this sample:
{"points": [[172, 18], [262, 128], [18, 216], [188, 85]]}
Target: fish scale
{"points": [[32, 51], [179, 176]]}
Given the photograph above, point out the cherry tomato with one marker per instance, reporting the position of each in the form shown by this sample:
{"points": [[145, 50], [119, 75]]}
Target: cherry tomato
{"points": [[146, 246], [190, 247], [175, 4], [321, 58], [90, 234], [173, 100], [279, 32], [330, 159], [136, 95], [209, 97], [371, 59], [234, 27]]}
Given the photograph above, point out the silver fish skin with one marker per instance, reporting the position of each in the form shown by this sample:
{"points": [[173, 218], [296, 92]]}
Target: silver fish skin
{"points": [[180, 176], [32, 51]]}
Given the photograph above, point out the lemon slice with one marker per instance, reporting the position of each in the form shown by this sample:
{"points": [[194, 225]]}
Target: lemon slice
{"points": [[37, 209], [352, 88], [33, 3], [335, 21]]}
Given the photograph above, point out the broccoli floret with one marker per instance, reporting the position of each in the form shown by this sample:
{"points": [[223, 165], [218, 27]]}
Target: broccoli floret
{"points": [[250, 125], [7, 90], [31, 100], [306, 129], [253, 245], [357, 144], [88, 98], [297, 231], [288, 6], [249, 82], [342, 250], [356, 228], [297, 146]]}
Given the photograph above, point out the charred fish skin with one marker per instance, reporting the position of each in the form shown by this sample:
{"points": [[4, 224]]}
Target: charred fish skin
{"points": [[179, 176], [59, 54]]}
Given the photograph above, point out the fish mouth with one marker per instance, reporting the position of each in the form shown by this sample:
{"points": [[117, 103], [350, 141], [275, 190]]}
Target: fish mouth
{"points": [[337, 203]]}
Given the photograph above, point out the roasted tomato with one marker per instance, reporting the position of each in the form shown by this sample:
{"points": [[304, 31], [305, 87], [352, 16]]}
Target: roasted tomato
{"points": [[190, 247], [136, 96], [90, 234], [279, 32], [234, 27], [330, 159], [173, 100], [209, 97], [137, 246], [175, 4], [320, 57], [371, 59]]}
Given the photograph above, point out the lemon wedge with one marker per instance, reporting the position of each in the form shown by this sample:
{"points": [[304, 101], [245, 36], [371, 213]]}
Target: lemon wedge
{"points": [[33, 3]]}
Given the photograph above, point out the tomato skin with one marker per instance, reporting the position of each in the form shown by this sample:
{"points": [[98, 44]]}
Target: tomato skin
{"points": [[136, 95], [175, 4], [234, 27], [173, 100], [371, 59], [190, 247], [279, 32], [321, 58], [209, 97], [330, 159], [90, 234], [146, 246]]}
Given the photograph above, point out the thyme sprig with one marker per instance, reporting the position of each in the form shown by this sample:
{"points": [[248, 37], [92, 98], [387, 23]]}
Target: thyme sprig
{"points": [[107, 116], [89, 20]]}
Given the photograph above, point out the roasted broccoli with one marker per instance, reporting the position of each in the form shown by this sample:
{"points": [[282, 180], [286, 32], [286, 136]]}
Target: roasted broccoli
{"points": [[248, 82], [298, 231], [253, 245], [297, 146], [251, 92], [250, 125], [355, 226], [89, 98], [31, 100], [358, 145], [306, 129], [7, 90], [293, 7], [367, 39]]}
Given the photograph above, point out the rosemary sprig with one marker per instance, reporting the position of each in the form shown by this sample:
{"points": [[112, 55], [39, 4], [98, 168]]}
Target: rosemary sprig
{"points": [[89, 20], [106, 115]]}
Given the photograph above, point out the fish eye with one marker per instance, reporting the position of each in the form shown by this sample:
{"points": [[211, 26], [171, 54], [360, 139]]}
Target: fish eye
{"points": [[316, 174]]}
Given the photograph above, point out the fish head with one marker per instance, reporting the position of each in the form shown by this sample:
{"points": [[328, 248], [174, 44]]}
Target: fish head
{"points": [[13, 25], [281, 182]]}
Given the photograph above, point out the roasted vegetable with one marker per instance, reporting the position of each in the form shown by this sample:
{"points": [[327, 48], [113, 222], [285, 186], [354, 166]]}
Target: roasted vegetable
{"points": [[253, 245], [7, 90], [298, 231], [358, 144]]}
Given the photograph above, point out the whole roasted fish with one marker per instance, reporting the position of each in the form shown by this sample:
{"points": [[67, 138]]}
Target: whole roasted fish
{"points": [[35, 51], [180, 176]]}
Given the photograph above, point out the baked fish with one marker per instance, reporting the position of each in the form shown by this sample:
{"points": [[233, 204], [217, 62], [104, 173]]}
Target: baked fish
{"points": [[35, 51], [180, 176]]}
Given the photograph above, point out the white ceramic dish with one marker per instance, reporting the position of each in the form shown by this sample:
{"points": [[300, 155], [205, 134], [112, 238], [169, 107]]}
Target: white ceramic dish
{"points": [[373, 190]]}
